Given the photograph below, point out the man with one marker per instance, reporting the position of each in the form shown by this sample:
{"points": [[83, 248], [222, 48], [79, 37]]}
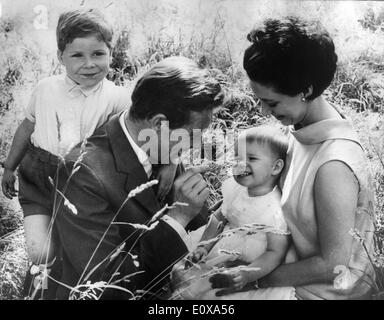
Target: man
{"points": [[94, 216]]}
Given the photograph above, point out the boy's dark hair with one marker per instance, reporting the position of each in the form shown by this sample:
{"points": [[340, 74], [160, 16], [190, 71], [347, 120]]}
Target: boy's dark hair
{"points": [[82, 23], [174, 87], [291, 55], [271, 136]]}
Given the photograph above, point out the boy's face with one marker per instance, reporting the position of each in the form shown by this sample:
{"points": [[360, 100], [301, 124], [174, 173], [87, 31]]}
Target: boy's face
{"points": [[86, 60], [257, 164]]}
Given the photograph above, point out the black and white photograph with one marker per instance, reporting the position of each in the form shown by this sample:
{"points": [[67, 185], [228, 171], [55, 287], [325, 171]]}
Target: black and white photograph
{"points": [[205, 150]]}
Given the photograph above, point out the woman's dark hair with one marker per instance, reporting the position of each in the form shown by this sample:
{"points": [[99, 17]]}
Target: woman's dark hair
{"points": [[174, 87], [291, 55]]}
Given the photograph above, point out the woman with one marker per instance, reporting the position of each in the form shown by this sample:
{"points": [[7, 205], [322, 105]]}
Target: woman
{"points": [[325, 190]]}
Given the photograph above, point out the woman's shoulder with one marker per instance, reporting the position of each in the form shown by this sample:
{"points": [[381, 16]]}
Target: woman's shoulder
{"points": [[339, 160], [349, 152]]}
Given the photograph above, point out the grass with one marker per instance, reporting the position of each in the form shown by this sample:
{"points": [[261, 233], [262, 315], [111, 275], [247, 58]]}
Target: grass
{"points": [[213, 35]]}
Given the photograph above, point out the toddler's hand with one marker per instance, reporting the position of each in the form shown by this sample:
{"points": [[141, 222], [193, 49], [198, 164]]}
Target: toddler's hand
{"points": [[8, 183], [196, 256], [166, 177], [199, 254]]}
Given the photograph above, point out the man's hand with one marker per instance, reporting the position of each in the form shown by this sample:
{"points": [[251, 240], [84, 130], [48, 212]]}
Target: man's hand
{"points": [[8, 183], [190, 188], [166, 176]]}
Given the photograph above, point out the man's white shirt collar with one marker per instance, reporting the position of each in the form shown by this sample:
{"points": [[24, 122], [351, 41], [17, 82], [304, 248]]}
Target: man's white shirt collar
{"points": [[141, 154]]}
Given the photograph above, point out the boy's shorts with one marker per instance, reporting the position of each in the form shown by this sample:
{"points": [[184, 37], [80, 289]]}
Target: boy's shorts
{"points": [[35, 189]]}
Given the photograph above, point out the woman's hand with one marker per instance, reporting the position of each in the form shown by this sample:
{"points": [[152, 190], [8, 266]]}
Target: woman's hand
{"points": [[234, 279], [222, 280], [240, 279]]}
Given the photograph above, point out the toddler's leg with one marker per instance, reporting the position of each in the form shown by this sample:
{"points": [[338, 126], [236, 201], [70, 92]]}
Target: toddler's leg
{"points": [[40, 245]]}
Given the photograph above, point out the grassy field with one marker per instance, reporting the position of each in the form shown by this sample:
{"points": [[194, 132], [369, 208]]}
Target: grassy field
{"points": [[214, 34]]}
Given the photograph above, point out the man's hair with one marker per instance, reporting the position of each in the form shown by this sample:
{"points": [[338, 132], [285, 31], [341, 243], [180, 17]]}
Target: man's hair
{"points": [[290, 55], [271, 136], [174, 87], [82, 23]]}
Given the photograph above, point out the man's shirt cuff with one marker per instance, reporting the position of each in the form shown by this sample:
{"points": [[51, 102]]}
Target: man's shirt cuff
{"points": [[180, 230]]}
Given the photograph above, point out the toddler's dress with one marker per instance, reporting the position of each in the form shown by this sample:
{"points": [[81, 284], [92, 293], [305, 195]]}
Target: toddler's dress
{"points": [[244, 237]]}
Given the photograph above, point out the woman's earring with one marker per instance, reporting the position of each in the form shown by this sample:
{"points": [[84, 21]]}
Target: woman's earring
{"points": [[303, 99]]}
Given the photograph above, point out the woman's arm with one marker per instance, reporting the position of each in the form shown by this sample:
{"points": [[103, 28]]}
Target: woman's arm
{"points": [[335, 192]]}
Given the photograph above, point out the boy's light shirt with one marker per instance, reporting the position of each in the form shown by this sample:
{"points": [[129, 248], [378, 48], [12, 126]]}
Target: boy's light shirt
{"points": [[75, 90], [144, 160], [64, 113]]}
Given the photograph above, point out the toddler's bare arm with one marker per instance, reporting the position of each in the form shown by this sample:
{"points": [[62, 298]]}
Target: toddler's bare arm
{"points": [[277, 247], [238, 278], [214, 227]]}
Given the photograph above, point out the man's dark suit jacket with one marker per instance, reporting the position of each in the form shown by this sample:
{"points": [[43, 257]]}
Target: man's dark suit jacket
{"points": [[108, 171]]}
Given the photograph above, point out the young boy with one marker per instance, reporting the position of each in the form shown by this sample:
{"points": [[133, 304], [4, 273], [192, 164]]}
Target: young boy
{"points": [[63, 111]]}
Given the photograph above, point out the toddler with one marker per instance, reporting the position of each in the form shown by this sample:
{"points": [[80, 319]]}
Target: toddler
{"points": [[247, 237]]}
